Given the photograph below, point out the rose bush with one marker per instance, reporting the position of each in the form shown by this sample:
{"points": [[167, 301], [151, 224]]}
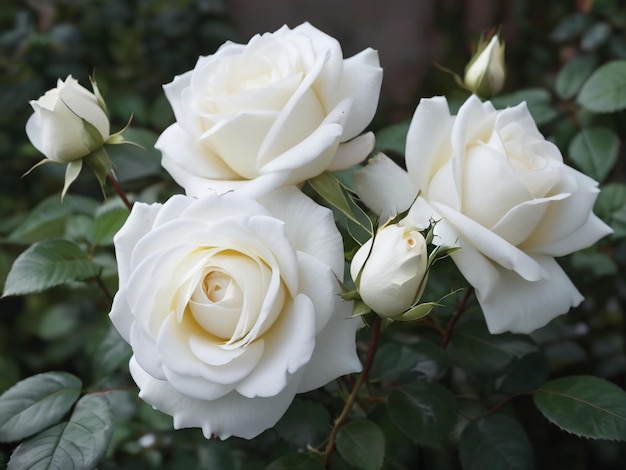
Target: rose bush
{"points": [[392, 268], [277, 111], [503, 194], [231, 307], [68, 122]]}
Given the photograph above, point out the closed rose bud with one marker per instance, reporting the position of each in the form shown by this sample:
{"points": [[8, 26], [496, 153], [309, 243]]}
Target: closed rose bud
{"points": [[68, 122], [393, 275], [485, 73]]}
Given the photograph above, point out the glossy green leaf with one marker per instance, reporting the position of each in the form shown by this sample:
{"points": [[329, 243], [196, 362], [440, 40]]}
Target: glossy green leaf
{"points": [[526, 374], [587, 406], [476, 350], [425, 412], [392, 138], [111, 352], [391, 360], [36, 403], [77, 444], [48, 264], [595, 36], [306, 423], [572, 76], [495, 442], [297, 462], [107, 223], [611, 207], [594, 150], [361, 443], [605, 91], [48, 218]]}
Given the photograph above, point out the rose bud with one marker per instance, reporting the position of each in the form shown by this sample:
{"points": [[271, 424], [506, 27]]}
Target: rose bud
{"points": [[485, 73]]}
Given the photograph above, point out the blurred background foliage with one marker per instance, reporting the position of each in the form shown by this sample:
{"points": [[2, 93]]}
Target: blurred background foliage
{"points": [[135, 46]]}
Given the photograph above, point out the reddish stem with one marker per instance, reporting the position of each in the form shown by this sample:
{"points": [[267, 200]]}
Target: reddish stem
{"points": [[457, 314], [119, 190], [369, 359]]}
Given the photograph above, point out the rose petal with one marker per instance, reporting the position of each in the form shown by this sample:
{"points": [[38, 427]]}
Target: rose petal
{"points": [[334, 354], [353, 152], [288, 347], [310, 227], [361, 79], [231, 415], [384, 187]]}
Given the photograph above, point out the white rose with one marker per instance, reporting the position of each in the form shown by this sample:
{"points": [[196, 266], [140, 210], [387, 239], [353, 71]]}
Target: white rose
{"points": [[57, 128], [505, 197], [231, 307], [277, 111], [392, 271]]}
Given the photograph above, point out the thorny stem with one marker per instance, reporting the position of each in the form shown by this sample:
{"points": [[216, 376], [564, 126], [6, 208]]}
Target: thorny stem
{"points": [[119, 190], [457, 314], [355, 390]]}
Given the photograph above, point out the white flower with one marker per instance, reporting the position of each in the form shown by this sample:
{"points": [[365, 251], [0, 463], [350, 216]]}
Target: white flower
{"points": [[392, 271], [231, 307], [485, 73], [505, 197], [277, 111], [68, 122]]}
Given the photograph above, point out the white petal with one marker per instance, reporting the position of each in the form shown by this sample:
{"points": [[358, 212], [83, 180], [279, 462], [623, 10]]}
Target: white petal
{"points": [[335, 349], [384, 187], [310, 227], [145, 351], [353, 152], [362, 78], [231, 415], [121, 315], [186, 151], [491, 245], [520, 306], [319, 284], [428, 140], [288, 347]]}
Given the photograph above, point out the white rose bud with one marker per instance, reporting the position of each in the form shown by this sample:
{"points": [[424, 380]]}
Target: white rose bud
{"points": [[68, 122], [485, 73], [393, 275]]}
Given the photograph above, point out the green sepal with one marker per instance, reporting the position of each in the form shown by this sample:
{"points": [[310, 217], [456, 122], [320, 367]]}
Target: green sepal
{"points": [[98, 95], [118, 138], [100, 164], [71, 173], [418, 312], [36, 165]]}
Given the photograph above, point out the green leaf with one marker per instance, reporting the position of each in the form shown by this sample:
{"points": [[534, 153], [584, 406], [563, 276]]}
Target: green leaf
{"points": [[526, 374], [611, 207], [48, 218], [571, 26], [595, 36], [392, 138], [587, 406], [297, 462], [36, 403], [361, 443], [107, 223], [306, 423], [572, 76], [391, 360], [495, 442], [594, 150], [331, 189], [425, 412], [605, 90], [48, 264], [111, 353], [476, 350], [77, 444]]}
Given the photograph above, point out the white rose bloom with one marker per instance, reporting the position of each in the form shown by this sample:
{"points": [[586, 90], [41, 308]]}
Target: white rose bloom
{"points": [[505, 197], [392, 271], [231, 307], [56, 128], [283, 108]]}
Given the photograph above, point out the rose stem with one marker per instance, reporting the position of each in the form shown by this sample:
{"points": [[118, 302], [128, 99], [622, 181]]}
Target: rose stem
{"points": [[119, 190], [352, 397], [457, 314]]}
